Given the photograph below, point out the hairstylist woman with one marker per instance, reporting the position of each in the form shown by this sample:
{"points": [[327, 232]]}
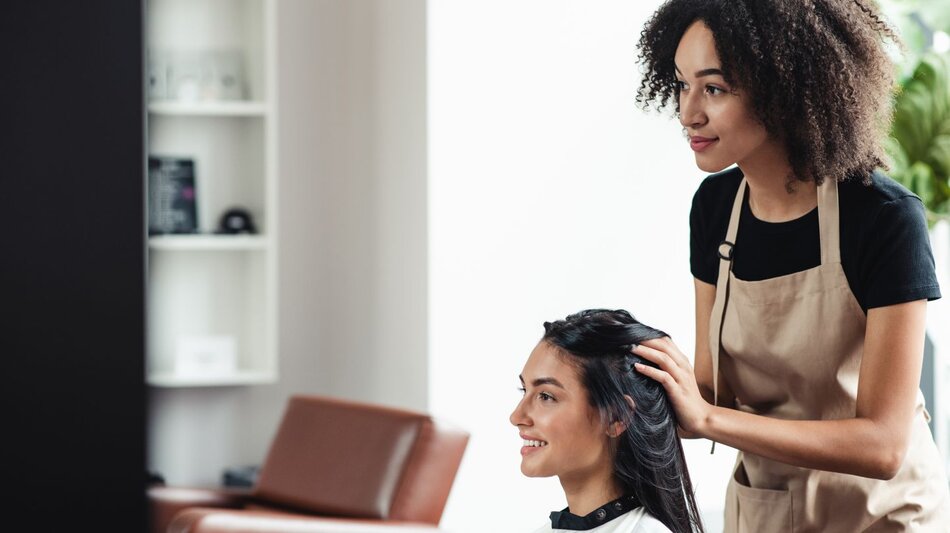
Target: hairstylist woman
{"points": [[812, 269]]}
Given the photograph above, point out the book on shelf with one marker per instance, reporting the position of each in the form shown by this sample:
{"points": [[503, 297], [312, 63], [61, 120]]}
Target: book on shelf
{"points": [[171, 195]]}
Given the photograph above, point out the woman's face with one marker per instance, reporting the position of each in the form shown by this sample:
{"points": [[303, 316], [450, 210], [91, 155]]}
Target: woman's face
{"points": [[718, 120], [556, 413]]}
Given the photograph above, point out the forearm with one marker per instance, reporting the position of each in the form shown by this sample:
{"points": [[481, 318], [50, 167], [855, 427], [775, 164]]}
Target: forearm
{"points": [[858, 446]]}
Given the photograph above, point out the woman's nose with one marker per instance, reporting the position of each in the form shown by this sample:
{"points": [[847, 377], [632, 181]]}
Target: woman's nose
{"points": [[691, 112], [518, 416]]}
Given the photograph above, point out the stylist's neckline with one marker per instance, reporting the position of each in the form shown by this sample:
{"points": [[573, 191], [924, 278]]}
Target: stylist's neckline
{"points": [[777, 206], [804, 218], [768, 195]]}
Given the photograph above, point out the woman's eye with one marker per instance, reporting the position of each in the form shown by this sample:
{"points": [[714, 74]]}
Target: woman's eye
{"points": [[522, 390], [545, 396], [713, 90]]}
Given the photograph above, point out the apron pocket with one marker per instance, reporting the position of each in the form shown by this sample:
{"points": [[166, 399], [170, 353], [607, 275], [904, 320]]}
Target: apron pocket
{"points": [[760, 510]]}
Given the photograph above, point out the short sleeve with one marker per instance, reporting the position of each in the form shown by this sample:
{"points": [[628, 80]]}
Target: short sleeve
{"points": [[898, 264], [701, 261]]}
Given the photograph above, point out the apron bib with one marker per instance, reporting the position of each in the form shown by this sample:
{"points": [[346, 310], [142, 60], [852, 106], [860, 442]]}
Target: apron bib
{"points": [[790, 347]]}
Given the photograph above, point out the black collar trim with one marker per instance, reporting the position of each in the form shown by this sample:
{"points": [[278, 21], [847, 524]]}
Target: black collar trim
{"points": [[600, 516]]}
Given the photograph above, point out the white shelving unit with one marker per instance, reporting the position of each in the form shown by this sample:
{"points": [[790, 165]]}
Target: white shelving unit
{"points": [[209, 286]]}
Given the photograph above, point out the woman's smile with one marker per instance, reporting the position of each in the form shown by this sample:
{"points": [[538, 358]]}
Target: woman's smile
{"points": [[531, 445], [699, 144]]}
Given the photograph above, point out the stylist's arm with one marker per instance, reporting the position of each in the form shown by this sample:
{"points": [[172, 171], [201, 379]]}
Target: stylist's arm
{"points": [[871, 444]]}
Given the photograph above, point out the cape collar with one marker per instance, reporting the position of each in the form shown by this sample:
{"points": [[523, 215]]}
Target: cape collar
{"points": [[598, 517]]}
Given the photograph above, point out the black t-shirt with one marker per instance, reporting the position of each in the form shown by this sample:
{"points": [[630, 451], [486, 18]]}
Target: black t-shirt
{"points": [[885, 247]]}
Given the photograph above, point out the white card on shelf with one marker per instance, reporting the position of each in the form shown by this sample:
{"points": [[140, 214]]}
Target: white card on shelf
{"points": [[206, 356]]}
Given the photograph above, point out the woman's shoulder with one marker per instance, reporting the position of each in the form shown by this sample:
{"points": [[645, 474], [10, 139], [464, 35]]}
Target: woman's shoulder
{"points": [[546, 528], [635, 521], [880, 202], [879, 189], [712, 205], [644, 522]]}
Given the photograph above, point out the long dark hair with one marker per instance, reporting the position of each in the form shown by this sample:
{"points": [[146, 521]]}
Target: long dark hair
{"points": [[649, 463]]}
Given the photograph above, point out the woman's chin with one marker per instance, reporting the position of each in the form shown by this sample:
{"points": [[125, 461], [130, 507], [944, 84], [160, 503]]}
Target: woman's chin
{"points": [[529, 471], [710, 166]]}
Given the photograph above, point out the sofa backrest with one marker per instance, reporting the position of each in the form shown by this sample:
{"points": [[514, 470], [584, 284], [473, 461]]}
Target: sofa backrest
{"points": [[339, 458]]}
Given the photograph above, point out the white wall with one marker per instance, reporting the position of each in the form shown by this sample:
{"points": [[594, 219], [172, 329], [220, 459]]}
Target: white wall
{"points": [[353, 218], [352, 264], [549, 192]]}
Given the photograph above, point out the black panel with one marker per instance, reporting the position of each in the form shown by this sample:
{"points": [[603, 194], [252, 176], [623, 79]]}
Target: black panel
{"points": [[72, 264]]}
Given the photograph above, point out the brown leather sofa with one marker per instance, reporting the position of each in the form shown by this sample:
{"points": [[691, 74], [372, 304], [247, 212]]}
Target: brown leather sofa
{"points": [[334, 466]]}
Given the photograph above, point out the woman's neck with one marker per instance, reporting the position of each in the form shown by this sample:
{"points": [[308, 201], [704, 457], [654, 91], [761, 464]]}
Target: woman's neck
{"points": [[771, 197], [585, 496]]}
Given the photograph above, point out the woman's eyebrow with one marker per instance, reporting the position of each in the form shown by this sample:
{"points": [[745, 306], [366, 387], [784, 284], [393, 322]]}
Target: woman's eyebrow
{"points": [[544, 381], [704, 72]]}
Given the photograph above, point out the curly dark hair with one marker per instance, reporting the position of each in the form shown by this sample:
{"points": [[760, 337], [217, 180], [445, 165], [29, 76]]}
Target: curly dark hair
{"points": [[815, 71]]}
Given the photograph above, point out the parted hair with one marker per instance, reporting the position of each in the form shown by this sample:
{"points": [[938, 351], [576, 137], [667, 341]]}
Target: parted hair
{"points": [[815, 72], [649, 463]]}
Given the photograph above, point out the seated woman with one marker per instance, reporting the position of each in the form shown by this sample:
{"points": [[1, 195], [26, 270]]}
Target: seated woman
{"points": [[607, 431]]}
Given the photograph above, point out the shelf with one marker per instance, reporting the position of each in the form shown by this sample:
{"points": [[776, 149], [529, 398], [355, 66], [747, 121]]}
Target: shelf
{"points": [[219, 108], [234, 243], [205, 284], [238, 378]]}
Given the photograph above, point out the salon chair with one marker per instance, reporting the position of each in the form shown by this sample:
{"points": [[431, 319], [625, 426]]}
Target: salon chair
{"points": [[333, 466]]}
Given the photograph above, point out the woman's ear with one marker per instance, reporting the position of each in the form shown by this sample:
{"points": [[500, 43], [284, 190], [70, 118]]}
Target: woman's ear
{"points": [[630, 402], [617, 427]]}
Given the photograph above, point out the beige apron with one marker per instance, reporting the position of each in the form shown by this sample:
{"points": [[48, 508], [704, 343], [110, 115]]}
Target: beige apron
{"points": [[790, 347]]}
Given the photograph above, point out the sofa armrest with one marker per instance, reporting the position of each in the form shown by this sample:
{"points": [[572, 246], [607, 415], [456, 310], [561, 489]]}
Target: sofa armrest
{"points": [[165, 502], [204, 520]]}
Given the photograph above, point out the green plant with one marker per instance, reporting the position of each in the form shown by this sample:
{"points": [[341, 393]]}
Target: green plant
{"points": [[919, 144]]}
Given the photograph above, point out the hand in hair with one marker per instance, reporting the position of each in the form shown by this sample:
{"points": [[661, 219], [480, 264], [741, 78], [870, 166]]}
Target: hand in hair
{"points": [[676, 375]]}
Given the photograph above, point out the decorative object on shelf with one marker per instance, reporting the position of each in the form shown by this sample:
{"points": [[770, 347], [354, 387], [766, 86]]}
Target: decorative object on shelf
{"points": [[227, 75], [235, 221], [197, 75], [157, 76], [171, 195], [206, 356]]}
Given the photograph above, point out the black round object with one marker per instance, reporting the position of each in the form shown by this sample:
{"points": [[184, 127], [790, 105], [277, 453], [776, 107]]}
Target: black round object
{"points": [[236, 220]]}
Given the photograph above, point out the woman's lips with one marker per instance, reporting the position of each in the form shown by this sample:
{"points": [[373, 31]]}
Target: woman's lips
{"points": [[525, 450], [698, 144]]}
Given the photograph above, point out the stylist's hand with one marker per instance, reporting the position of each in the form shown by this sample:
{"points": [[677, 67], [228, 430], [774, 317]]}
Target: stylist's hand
{"points": [[677, 377]]}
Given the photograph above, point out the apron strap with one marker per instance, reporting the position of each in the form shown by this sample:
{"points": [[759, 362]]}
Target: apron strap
{"points": [[828, 221], [726, 250]]}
